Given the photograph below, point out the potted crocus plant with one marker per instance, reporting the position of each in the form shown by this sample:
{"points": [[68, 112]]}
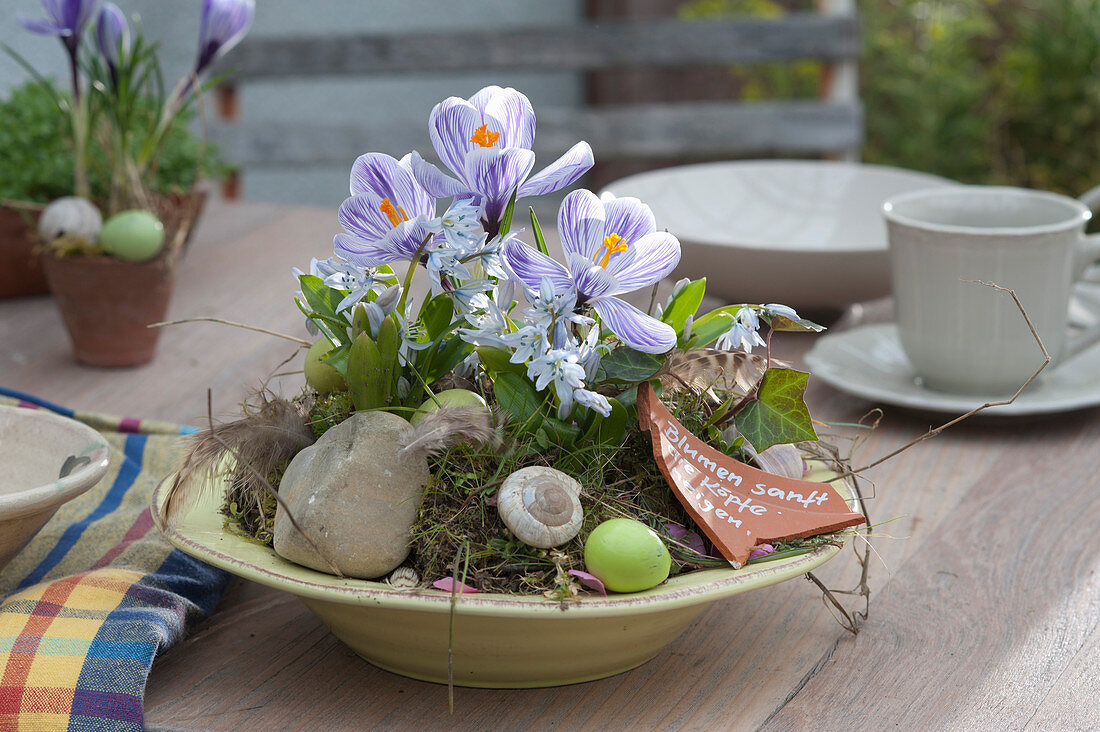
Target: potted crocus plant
{"points": [[112, 245], [520, 430]]}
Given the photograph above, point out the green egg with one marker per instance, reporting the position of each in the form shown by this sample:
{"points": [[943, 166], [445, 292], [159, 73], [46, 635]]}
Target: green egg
{"points": [[626, 555], [448, 398], [321, 376], [135, 236]]}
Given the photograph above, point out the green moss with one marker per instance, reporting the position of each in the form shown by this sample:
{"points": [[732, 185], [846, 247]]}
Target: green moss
{"points": [[329, 411]]}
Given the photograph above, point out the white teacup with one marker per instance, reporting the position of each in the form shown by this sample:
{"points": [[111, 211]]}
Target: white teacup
{"points": [[965, 338]]}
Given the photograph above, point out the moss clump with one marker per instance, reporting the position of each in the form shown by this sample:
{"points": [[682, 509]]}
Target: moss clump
{"points": [[330, 410], [252, 518]]}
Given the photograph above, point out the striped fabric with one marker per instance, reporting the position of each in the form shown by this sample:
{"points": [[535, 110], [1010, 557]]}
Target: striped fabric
{"points": [[85, 607]]}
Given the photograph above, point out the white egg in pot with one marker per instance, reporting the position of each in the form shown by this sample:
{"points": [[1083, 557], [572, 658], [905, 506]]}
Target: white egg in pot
{"points": [[70, 216]]}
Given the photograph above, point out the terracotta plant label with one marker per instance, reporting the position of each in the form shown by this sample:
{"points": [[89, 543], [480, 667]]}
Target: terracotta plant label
{"points": [[736, 505]]}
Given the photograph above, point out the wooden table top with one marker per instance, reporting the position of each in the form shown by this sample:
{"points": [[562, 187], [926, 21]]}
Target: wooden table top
{"points": [[986, 595]]}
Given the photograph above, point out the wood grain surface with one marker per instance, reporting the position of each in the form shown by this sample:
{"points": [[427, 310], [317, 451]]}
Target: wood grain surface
{"points": [[986, 594]]}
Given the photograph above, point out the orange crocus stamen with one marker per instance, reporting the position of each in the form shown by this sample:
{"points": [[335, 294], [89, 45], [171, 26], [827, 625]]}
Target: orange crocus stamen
{"points": [[612, 244], [395, 214], [484, 137]]}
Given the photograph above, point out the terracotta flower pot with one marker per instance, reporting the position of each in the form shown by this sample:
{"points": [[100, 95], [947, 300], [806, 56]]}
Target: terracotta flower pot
{"points": [[107, 304], [20, 268]]}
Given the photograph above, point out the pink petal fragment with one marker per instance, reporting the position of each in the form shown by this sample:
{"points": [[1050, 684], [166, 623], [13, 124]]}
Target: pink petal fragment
{"points": [[447, 584], [761, 551], [590, 581], [688, 538]]}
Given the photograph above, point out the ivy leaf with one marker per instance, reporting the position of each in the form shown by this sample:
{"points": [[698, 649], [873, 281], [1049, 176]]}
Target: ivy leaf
{"points": [[778, 415], [626, 364]]}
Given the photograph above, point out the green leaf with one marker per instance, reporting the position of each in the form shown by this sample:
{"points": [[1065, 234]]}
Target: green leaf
{"points": [[540, 240], [506, 220], [322, 298], [389, 342], [517, 396], [782, 323], [778, 414], [436, 316], [685, 303], [609, 430], [495, 360], [337, 358], [626, 364], [560, 433], [446, 356], [360, 323], [364, 367]]}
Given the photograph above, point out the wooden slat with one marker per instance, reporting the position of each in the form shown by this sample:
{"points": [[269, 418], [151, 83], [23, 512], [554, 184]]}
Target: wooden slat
{"points": [[609, 44], [700, 129]]}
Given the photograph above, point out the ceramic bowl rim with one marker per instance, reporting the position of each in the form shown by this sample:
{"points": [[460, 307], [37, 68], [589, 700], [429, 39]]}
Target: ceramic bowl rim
{"points": [[684, 590], [934, 181], [31, 500]]}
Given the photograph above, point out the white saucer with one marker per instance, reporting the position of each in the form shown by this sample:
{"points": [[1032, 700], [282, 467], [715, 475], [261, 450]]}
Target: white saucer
{"points": [[868, 361]]}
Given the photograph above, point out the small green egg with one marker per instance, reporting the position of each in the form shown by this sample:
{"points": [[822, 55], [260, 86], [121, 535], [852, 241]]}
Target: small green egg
{"points": [[626, 555], [448, 398], [321, 376], [135, 236]]}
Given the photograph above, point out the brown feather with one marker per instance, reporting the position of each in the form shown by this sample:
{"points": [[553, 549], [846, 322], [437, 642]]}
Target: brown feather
{"points": [[442, 428], [733, 373], [272, 431]]}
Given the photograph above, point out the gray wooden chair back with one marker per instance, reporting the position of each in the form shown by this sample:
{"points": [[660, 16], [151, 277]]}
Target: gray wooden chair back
{"points": [[831, 125]]}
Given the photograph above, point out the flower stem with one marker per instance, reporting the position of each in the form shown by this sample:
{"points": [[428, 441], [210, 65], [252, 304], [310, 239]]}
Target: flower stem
{"points": [[412, 270]]}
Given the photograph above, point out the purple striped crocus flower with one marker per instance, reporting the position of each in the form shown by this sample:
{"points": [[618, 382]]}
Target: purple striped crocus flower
{"points": [[112, 35], [224, 23], [611, 248], [486, 142], [64, 18], [388, 215]]}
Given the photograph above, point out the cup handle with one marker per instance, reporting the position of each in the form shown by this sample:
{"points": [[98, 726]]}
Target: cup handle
{"points": [[1088, 253], [1090, 246]]}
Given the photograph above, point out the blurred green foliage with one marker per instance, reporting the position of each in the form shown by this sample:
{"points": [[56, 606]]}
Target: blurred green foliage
{"points": [[36, 149], [982, 91]]}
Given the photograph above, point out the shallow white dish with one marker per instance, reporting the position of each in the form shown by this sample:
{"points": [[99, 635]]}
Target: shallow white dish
{"points": [[805, 233], [869, 362], [45, 461]]}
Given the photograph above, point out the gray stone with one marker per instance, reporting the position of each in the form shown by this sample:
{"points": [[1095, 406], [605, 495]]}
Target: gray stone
{"points": [[354, 496]]}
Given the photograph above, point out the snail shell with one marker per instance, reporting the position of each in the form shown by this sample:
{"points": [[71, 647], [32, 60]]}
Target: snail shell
{"points": [[70, 216], [403, 578], [541, 506]]}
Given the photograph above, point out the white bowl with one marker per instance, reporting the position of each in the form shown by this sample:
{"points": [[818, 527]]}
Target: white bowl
{"points": [[47, 460], [804, 233]]}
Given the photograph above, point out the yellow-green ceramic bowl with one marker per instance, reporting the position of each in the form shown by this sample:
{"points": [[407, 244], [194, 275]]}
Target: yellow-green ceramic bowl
{"points": [[500, 641]]}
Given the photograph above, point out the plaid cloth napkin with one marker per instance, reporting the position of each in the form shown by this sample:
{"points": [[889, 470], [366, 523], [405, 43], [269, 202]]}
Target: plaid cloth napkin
{"points": [[87, 604]]}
